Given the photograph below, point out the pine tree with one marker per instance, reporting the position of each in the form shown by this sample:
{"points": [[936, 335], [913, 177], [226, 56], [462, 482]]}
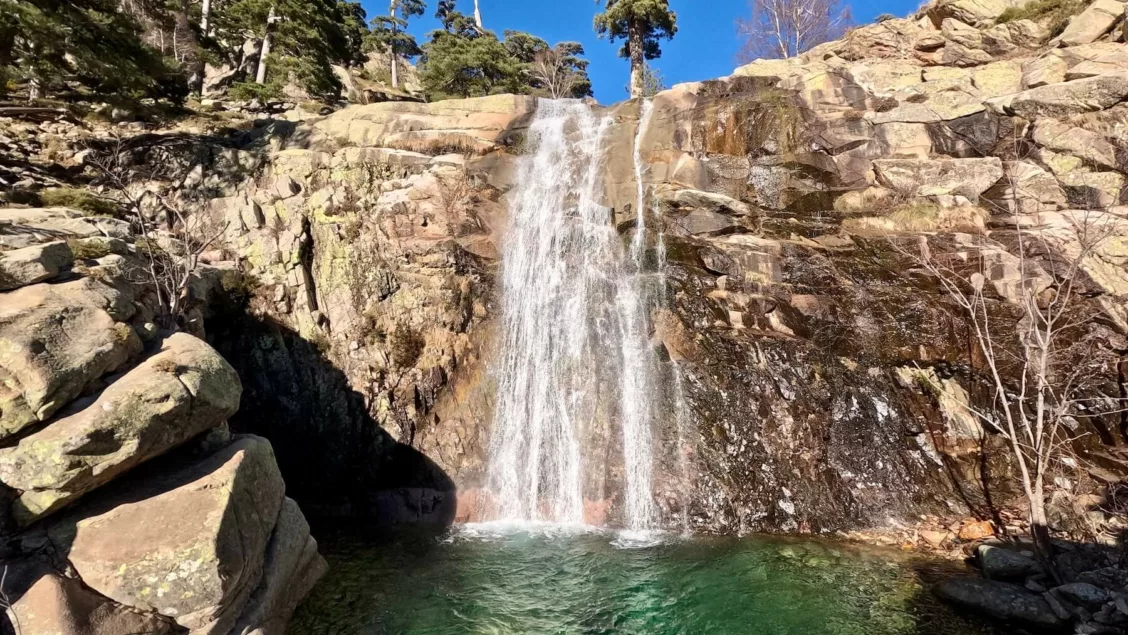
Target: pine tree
{"points": [[641, 24], [390, 33], [92, 43], [300, 40]]}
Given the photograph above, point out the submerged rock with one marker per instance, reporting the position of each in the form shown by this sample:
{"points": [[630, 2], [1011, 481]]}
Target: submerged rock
{"points": [[999, 600]]}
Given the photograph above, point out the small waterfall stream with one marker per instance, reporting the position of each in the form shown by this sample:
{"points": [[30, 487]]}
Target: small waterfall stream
{"points": [[574, 346]]}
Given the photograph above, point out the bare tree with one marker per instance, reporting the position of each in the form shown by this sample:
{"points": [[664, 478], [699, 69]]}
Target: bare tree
{"points": [[172, 254], [554, 69], [6, 602], [1041, 359], [786, 28]]}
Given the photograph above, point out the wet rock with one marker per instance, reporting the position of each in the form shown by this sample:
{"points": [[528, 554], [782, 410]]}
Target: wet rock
{"points": [[1003, 564], [1084, 594], [54, 342], [189, 545], [999, 600], [708, 201], [183, 390], [21, 267]]}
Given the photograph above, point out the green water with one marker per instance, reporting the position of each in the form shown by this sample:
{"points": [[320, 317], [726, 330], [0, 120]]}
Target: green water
{"points": [[476, 581]]}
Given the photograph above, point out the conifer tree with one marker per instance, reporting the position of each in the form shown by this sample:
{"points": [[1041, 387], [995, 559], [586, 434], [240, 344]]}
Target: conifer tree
{"points": [[390, 32], [640, 24]]}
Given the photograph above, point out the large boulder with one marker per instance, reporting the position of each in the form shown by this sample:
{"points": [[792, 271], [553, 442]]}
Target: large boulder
{"points": [[21, 267], [178, 393], [292, 567], [54, 605], [190, 545], [1064, 99], [55, 340], [1000, 600], [1004, 564], [1099, 18], [1064, 138], [939, 177]]}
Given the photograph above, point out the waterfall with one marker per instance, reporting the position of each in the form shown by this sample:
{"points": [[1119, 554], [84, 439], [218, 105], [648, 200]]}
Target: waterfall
{"points": [[573, 346]]}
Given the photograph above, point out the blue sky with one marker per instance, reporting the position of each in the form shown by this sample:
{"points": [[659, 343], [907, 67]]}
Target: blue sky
{"points": [[705, 47]]}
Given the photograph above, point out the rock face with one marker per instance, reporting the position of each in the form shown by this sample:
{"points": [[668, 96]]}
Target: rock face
{"points": [[807, 342], [170, 524]]}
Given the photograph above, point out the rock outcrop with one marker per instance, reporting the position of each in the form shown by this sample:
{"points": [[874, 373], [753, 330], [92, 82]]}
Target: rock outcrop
{"points": [[126, 505], [789, 195]]}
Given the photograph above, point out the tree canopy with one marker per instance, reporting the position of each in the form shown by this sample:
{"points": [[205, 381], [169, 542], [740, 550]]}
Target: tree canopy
{"points": [[462, 60], [641, 24]]}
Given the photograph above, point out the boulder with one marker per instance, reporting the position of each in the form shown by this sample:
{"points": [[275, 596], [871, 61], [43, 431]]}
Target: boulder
{"points": [[55, 341], [54, 605], [974, 12], [1082, 593], [27, 227], [1004, 564], [1000, 600], [189, 545], [708, 201], [178, 393], [1026, 189], [939, 177], [1099, 18], [21, 267], [1107, 63], [701, 221], [292, 567], [1093, 190], [997, 79], [1064, 99], [1064, 138], [1040, 71]]}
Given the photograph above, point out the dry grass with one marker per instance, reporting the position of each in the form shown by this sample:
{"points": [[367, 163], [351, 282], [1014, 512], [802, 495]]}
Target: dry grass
{"points": [[1053, 14]]}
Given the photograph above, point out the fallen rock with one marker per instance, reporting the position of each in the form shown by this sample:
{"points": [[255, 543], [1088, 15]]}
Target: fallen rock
{"points": [[1099, 18], [1041, 71], [999, 600], [55, 605], [21, 267], [1064, 99], [292, 567], [976, 531], [190, 545], [180, 392], [1088, 595], [1004, 564], [939, 177], [55, 340]]}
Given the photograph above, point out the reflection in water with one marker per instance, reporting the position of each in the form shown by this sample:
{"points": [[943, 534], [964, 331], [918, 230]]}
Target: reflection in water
{"points": [[553, 579]]}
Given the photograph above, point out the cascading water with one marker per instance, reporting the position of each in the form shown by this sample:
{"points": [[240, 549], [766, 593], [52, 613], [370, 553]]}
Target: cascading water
{"points": [[570, 296]]}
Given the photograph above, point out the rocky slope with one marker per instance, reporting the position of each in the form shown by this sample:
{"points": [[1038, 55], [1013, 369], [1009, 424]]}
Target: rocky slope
{"points": [[126, 505]]}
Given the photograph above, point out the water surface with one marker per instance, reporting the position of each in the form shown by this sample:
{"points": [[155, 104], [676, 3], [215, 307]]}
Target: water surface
{"points": [[478, 580]]}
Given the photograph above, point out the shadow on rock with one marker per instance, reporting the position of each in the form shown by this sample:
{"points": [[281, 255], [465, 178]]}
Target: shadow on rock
{"points": [[336, 459]]}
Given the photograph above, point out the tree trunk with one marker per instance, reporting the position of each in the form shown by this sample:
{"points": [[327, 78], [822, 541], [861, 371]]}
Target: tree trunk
{"points": [[260, 76], [1040, 533], [638, 62], [478, 16], [205, 16], [392, 47]]}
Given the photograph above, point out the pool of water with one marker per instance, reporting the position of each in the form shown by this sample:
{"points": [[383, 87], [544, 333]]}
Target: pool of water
{"points": [[499, 580]]}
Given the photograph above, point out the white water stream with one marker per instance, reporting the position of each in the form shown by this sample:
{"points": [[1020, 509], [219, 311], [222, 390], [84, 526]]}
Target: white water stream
{"points": [[574, 343]]}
